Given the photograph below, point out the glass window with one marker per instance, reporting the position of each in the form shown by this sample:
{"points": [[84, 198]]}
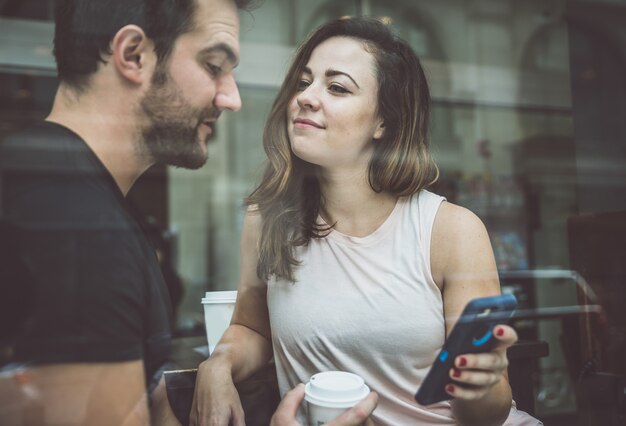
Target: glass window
{"points": [[528, 129], [206, 206]]}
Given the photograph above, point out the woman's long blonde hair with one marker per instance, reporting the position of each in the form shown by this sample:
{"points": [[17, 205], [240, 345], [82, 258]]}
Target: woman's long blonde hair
{"points": [[289, 198]]}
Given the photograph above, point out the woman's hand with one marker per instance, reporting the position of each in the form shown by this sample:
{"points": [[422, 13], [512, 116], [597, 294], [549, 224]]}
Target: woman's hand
{"points": [[287, 410], [479, 373], [215, 400]]}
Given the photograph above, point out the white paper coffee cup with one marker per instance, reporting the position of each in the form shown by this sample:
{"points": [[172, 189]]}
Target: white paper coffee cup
{"points": [[218, 311], [331, 393]]}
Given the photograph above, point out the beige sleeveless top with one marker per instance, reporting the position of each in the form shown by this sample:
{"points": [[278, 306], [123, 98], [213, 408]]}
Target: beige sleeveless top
{"points": [[366, 305]]}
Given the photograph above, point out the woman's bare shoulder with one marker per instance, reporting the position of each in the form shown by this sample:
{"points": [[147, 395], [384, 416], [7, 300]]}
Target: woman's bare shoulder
{"points": [[252, 219], [454, 221], [458, 237]]}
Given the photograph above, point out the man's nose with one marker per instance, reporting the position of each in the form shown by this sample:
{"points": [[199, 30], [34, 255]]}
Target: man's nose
{"points": [[227, 96]]}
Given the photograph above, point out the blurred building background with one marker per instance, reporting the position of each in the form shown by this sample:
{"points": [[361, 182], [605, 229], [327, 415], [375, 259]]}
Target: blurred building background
{"points": [[528, 128]]}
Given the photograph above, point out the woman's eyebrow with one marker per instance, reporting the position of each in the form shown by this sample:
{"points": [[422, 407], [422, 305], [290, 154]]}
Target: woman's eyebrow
{"points": [[331, 73]]}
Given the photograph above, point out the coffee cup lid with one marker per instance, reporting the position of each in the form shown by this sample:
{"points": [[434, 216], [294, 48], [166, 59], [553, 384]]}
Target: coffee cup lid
{"points": [[335, 389], [220, 297]]}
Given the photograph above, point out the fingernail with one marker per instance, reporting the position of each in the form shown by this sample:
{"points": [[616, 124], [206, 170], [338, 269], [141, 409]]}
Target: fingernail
{"points": [[500, 332], [456, 373], [462, 361], [450, 389]]}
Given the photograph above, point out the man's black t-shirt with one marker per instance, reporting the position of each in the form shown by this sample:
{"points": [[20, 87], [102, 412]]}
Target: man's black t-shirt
{"points": [[78, 280]]}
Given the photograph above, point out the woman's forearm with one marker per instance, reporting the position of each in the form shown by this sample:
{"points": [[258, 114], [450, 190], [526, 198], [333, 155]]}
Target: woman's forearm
{"points": [[242, 351]]}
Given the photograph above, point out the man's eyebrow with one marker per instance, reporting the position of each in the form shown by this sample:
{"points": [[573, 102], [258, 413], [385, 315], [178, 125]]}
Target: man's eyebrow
{"points": [[331, 73], [223, 48]]}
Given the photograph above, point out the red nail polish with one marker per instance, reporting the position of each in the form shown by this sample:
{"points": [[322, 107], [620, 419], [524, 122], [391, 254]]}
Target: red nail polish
{"points": [[450, 389], [462, 361], [500, 332], [456, 373]]}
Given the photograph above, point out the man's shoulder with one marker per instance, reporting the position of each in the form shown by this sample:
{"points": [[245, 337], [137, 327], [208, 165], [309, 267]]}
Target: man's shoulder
{"points": [[48, 171], [43, 146], [37, 135]]}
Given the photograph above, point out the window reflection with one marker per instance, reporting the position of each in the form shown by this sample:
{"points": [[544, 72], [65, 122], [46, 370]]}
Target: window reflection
{"points": [[529, 100]]}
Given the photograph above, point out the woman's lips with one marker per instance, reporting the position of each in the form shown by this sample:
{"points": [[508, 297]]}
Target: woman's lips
{"points": [[303, 123]]}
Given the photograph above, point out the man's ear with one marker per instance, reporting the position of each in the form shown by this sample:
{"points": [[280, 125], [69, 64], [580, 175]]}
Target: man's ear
{"points": [[380, 130], [133, 54]]}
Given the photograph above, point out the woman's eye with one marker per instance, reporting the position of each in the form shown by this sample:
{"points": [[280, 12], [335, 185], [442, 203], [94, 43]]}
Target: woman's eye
{"points": [[338, 88], [303, 84]]}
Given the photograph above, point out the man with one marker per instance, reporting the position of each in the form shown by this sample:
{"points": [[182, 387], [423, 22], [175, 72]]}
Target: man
{"points": [[141, 82]]}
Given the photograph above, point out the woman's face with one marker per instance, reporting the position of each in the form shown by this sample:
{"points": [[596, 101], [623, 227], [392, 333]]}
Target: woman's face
{"points": [[332, 119]]}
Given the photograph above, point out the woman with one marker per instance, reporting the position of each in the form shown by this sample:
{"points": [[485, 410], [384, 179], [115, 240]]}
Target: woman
{"points": [[348, 263]]}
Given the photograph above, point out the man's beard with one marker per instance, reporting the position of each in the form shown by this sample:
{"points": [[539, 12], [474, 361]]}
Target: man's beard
{"points": [[172, 134]]}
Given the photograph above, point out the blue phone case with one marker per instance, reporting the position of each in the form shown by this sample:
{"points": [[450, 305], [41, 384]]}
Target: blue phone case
{"points": [[472, 333]]}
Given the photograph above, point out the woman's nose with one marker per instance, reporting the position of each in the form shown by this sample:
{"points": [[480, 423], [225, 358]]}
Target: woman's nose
{"points": [[308, 99]]}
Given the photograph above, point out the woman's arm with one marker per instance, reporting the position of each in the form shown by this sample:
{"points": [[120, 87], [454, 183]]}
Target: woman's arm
{"points": [[464, 267], [245, 346]]}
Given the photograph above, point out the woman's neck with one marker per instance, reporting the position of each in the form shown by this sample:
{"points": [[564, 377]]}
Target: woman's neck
{"points": [[353, 206]]}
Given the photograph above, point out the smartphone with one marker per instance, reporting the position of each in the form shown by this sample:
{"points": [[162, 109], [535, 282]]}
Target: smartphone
{"points": [[473, 333]]}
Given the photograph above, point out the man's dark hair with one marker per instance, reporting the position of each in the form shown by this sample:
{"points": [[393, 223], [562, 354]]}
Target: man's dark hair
{"points": [[85, 28]]}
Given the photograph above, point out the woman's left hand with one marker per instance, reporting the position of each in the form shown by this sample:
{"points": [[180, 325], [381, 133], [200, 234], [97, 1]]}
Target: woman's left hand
{"points": [[476, 374]]}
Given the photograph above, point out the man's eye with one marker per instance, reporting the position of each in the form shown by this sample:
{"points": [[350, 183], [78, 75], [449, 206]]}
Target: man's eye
{"points": [[214, 69], [303, 84], [338, 88]]}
